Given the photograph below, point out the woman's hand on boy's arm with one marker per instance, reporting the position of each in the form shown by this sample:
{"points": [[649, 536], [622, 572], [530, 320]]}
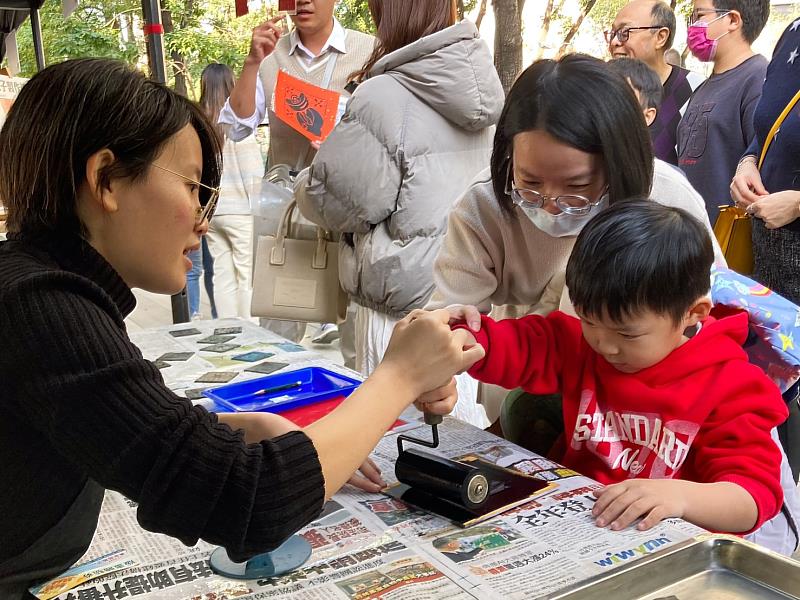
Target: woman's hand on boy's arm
{"points": [[720, 506]]}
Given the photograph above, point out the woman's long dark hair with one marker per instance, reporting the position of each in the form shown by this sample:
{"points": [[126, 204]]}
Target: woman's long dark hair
{"points": [[216, 82], [402, 22], [579, 101], [72, 110]]}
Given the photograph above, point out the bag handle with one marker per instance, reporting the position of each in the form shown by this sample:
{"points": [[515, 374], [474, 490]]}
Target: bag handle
{"points": [[277, 255], [776, 126]]}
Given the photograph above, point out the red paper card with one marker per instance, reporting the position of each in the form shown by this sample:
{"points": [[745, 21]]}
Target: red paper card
{"points": [[304, 107], [287, 6], [305, 415]]}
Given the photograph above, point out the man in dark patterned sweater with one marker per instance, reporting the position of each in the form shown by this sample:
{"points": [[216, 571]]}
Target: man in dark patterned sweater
{"points": [[645, 29]]}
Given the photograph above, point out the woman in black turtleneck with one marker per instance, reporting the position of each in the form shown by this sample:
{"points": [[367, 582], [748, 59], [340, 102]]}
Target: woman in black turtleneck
{"points": [[109, 180]]}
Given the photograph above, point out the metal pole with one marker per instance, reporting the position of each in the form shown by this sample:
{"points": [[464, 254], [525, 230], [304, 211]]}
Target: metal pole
{"points": [[154, 33], [38, 46]]}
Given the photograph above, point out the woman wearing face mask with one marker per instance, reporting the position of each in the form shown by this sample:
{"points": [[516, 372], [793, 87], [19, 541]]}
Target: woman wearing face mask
{"points": [[571, 141]]}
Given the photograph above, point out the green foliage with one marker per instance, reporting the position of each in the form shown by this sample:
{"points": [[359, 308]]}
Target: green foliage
{"points": [[603, 13], [204, 31], [354, 14], [92, 30]]}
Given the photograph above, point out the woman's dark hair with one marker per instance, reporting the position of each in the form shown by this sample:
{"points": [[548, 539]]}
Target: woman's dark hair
{"points": [[216, 82], [637, 255], [581, 103], [70, 111], [402, 22]]}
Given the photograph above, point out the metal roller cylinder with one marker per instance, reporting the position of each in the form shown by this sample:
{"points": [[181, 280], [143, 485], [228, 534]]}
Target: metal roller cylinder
{"points": [[454, 481]]}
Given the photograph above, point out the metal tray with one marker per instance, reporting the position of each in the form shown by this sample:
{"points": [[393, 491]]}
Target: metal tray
{"points": [[710, 567]]}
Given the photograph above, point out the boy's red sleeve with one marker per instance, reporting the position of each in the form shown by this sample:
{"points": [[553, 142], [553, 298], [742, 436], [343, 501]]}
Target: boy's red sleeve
{"points": [[735, 443], [529, 352]]}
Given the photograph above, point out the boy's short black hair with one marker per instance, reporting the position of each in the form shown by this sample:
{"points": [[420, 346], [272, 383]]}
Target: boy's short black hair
{"points": [[642, 78], [639, 255], [754, 15]]}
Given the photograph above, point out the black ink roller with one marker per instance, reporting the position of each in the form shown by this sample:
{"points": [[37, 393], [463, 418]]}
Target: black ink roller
{"points": [[457, 482]]}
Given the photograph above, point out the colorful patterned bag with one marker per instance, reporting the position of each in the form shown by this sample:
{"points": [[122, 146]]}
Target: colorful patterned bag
{"points": [[774, 324]]}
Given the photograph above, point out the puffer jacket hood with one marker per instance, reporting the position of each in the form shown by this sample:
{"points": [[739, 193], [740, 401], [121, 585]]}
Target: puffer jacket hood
{"points": [[448, 71]]}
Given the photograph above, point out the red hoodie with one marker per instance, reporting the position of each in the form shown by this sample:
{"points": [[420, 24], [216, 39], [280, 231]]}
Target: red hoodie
{"points": [[703, 413]]}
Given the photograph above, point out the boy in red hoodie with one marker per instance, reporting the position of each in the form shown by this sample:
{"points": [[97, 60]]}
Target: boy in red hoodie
{"points": [[660, 402]]}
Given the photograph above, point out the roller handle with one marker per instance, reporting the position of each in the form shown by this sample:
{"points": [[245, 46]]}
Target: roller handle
{"points": [[431, 419]]}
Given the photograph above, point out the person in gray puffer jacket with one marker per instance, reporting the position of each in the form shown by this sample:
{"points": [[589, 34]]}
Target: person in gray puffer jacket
{"points": [[417, 129]]}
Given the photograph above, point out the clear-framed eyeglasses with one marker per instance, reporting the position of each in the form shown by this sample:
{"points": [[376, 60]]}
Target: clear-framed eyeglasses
{"points": [[572, 204], [207, 205], [624, 34]]}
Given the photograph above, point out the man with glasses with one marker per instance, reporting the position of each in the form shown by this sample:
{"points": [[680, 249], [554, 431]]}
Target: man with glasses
{"points": [[645, 29], [717, 126]]}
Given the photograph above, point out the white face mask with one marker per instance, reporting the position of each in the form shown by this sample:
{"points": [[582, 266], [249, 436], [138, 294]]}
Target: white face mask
{"points": [[563, 224]]}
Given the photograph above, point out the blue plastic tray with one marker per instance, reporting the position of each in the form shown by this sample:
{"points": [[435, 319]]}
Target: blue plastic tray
{"points": [[309, 385]]}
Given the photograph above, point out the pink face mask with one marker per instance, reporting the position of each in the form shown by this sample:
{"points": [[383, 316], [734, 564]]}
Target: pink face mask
{"points": [[698, 41]]}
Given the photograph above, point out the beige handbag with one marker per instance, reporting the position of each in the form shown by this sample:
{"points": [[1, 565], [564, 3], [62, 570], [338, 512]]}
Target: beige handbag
{"points": [[296, 279]]}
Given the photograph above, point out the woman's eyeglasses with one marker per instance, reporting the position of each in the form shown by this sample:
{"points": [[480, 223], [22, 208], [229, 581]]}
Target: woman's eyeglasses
{"points": [[622, 35], [207, 208], [570, 203]]}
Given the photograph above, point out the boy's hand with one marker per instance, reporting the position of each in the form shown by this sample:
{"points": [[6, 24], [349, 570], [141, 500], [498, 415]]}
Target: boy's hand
{"points": [[440, 401], [620, 504], [459, 313], [466, 313], [369, 479]]}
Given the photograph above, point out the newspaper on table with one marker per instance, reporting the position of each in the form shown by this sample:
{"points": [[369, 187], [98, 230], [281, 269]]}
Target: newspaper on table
{"points": [[369, 546]]}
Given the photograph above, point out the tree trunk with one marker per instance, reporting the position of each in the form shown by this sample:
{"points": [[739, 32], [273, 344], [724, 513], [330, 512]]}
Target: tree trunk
{"points": [[481, 14], [508, 40], [587, 8], [545, 28], [550, 11], [460, 9], [176, 57], [131, 33]]}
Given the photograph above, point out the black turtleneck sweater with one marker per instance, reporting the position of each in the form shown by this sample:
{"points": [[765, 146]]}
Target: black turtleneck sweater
{"points": [[81, 410]]}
